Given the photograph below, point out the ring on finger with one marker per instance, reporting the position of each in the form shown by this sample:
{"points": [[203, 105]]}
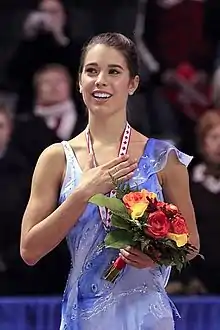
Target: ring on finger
{"points": [[114, 170]]}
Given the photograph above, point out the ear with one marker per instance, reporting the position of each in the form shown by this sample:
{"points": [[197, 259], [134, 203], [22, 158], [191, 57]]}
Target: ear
{"points": [[79, 83], [133, 85]]}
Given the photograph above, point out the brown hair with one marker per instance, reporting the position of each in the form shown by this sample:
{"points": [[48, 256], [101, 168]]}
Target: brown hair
{"points": [[119, 42], [51, 67], [6, 111], [208, 121]]}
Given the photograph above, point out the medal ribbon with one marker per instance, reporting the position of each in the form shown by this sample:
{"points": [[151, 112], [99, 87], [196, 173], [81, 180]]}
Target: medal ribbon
{"points": [[123, 149]]}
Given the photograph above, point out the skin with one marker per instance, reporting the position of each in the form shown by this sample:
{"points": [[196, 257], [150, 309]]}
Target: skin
{"points": [[55, 9], [5, 130], [52, 87], [211, 145], [105, 69]]}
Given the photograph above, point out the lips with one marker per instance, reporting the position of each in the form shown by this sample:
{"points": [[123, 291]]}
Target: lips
{"points": [[101, 95]]}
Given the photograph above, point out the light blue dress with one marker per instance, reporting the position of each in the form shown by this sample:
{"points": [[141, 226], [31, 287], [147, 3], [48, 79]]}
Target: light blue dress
{"points": [[137, 300]]}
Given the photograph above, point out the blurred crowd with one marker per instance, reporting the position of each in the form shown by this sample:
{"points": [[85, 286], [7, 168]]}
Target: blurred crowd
{"points": [[178, 100]]}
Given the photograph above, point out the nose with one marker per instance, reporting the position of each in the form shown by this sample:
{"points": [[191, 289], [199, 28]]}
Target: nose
{"points": [[101, 80]]}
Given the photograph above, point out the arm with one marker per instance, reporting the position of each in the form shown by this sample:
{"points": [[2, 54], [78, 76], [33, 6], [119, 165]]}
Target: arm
{"points": [[44, 226], [175, 182]]}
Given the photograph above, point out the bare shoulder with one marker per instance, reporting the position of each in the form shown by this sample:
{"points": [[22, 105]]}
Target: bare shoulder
{"points": [[138, 137], [175, 178], [174, 168], [54, 154], [78, 143], [175, 183], [50, 166], [138, 141], [45, 186]]}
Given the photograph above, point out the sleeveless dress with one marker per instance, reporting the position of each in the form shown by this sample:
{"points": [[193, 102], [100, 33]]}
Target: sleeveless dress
{"points": [[137, 300]]}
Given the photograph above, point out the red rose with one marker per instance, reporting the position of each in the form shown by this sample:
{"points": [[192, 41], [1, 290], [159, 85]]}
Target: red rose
{"points": [[161, 205], [169, 209], [178, 225], [158, 225]]}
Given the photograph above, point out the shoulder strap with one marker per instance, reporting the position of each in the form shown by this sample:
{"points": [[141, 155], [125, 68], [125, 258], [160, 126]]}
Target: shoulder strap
{"points": [[70, 175]]}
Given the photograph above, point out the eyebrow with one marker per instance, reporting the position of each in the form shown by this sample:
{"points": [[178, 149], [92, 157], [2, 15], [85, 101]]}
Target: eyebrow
{"points": [[110, 65]]}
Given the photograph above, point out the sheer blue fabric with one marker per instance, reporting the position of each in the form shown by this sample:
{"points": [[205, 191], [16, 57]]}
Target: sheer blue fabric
{"points": [[137, 300]]}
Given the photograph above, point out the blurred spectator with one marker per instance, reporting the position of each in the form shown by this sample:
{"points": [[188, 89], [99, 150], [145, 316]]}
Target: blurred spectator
{"points": [[16, 278], [151, 114], [156, 117], [188, 91], [53, 100], [216, 88], [46, 39], [171, 40], [171, 51], [54, 116], [205, 191], [14, 182]]}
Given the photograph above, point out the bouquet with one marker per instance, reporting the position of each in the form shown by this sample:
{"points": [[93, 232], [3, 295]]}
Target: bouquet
{"points": [[138, 219]]}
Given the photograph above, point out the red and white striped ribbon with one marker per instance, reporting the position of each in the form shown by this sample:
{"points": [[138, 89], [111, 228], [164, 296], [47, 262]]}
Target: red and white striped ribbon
{"points": [[123, 149]]}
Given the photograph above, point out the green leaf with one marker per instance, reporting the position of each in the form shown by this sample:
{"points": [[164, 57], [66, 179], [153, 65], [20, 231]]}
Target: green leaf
{"points": [[123, 215], [118, 239], [145, 244], [179, 266], [119, 222], [112, 203], [170, 243]]}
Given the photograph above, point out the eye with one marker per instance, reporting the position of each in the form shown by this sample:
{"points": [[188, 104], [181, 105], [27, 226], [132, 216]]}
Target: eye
{"points": [[91, 70], [114, 71]]}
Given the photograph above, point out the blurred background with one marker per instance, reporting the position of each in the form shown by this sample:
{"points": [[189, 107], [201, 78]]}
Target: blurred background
{"points": [[178, 100]]}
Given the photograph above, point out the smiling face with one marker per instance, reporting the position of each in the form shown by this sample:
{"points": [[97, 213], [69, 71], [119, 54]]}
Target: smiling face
{"points": [[105, 81]]}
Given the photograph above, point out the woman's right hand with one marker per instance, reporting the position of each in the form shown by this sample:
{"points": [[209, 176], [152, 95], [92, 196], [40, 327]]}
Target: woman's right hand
{"points": [[100, 179]]}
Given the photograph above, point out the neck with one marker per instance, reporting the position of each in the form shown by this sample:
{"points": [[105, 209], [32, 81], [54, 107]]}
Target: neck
{"points": [[213, 169], [107, 130]]}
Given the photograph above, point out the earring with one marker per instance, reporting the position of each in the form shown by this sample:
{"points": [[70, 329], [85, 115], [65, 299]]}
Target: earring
{"points": [[130, 93]]}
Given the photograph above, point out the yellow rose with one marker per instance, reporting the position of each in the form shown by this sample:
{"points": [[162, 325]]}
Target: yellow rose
{"points": [[180, 239], [138, 209], [135, 197]]}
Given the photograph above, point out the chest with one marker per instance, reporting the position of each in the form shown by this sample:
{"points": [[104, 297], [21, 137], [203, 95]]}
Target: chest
{"points": [[104, 154]]}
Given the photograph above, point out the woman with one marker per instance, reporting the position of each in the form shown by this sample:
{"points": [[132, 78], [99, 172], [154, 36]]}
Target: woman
{"points": [[108, 74], [205, 190]]}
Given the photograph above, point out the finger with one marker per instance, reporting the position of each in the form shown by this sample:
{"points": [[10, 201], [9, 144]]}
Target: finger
{"points": [[137, 253], [132, 263], [123, 171], [123, 164], [90, 163], [137, 256], [128, 255], [125, 177], [115, 162], [133, 251]]}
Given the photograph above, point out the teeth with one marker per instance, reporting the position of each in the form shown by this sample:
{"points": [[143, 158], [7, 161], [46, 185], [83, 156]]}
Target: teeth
{"points": [[101, 95]]}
